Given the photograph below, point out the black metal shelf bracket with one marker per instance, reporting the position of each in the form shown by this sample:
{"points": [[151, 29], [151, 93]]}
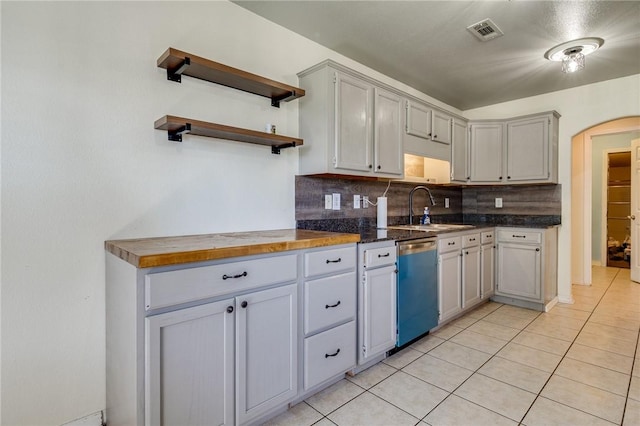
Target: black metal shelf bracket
{"points": [[175, 74], [275, 101], [275, 149], [176, 135]]}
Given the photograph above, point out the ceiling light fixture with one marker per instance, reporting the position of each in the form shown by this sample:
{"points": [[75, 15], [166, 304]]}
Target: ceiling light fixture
{"points": [[572, 53]]}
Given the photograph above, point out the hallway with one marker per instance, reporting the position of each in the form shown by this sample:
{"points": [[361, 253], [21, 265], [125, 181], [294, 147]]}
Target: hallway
{"points": [[575, 365]]}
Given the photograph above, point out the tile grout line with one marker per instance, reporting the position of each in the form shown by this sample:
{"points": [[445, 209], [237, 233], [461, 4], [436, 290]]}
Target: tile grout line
{"points": [[539, 395]]}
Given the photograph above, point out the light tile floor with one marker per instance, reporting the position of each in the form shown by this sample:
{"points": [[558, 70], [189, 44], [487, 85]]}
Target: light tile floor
{"points": [[578, 364]]}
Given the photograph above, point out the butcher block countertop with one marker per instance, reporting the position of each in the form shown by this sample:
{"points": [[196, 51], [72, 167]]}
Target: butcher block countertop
{"points": [[162, 251]]}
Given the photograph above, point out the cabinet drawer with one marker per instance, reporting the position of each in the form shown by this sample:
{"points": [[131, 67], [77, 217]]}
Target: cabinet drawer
{"points": [[329, 301], [187, 285], [486, 237], [470, 240], [380, 256], [329, 261], [328, 354], [446, 245], [516, 235]]}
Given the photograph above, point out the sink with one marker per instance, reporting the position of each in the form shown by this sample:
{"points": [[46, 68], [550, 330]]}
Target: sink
{"points": [[431, 227]]}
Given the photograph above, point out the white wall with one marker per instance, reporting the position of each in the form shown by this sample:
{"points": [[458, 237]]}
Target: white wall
{"points": [[81, 164], [581, 108]]}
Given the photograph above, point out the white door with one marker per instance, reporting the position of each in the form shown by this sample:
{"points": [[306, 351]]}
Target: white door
{"points": [[379, 312], [470, 276], [418, 120], [189, 366], [266, 351], [389, 156], [635, 210], [354, 136], [449, 284]]}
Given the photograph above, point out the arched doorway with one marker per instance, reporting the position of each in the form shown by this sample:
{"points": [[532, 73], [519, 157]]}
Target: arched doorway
{"points": [[581, 190]]}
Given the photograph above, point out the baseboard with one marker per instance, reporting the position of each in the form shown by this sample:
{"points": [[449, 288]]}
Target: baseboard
{"points": [[95, 419], [596, 263]]}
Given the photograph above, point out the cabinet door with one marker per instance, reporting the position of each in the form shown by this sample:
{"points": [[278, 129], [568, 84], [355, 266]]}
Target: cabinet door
{"points": [[389, 157], [470, 276], [418, 120], [266, 353], [379, 309], [353, 139], [449, 284], [459, 151], [519, 268], [440, 127], [485, 149], [528, 149], [189, 366], [487, 266]]}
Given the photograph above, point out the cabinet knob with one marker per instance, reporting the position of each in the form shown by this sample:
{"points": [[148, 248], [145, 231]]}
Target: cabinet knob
{"points": [[468, 177], [435, 136], [244, 304], [508, 177], [500, 178], [538, 249], [370, 166], [229, 309], [379, 166]]}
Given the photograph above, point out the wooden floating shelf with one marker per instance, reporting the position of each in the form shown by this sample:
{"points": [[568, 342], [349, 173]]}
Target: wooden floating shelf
{"points": [[177, 126], [179, 63]]}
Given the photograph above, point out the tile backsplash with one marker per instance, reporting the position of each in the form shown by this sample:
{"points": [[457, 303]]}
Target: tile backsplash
{"points": [[544, 200]]}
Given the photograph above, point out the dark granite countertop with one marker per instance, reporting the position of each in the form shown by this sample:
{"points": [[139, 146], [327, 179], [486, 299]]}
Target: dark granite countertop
{"points": [[366, 227]]}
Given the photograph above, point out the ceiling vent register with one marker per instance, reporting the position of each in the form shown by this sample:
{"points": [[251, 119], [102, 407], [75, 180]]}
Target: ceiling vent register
{"points": [[485, 30]]}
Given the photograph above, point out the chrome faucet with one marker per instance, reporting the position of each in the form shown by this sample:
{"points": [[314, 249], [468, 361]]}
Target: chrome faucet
{"points": [[433, 201]]}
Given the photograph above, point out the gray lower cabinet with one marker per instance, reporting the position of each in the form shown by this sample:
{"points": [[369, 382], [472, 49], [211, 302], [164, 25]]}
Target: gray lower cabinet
{"points": [[487, 264], [376, 300], [329, 337], [527, 267], [227, 342]]}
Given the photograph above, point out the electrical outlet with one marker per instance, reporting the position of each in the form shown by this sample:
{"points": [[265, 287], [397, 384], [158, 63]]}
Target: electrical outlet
{"points": [[328, 202], [336, 201], [365, 202], [356, 201], [446, 203], [498, 203]]}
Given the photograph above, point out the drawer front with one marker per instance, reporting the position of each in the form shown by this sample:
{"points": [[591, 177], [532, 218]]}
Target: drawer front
{"points": [[329, 301], [380, 256], [470, 240], [527, 237], [446, 245], [486, 237], [328, 354], [187, 285], [329, 261]]}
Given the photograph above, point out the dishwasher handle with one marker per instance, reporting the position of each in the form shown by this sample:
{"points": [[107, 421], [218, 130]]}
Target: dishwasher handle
{"points": [[416, 246]]}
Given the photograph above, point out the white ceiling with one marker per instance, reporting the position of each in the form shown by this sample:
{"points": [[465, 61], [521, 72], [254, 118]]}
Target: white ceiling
{"points": [[425, 44]]}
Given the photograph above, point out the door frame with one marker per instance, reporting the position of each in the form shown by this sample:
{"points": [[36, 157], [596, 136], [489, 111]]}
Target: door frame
{"points": [[581, 187]]}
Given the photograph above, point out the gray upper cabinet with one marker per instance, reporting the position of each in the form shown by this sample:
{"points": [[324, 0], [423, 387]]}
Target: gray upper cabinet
{"points": [[486, 152], [418, 120], [441, 127], [513, 151], [459, 152], [354, 124]]}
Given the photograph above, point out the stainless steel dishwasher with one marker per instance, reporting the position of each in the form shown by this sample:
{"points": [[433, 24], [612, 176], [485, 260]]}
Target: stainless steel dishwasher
{"points": [[417, 292]]}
